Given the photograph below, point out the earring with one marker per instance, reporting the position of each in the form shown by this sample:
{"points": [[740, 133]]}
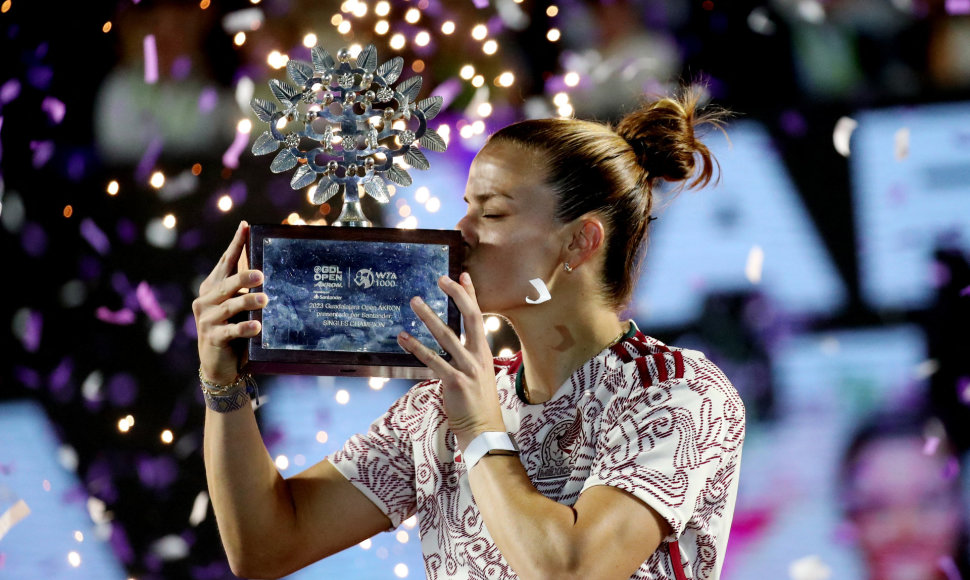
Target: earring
{"points": [[567, 267]]}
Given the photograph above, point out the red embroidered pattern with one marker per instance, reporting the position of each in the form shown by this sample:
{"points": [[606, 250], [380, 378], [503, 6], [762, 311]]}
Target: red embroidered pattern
{"points": [[661, 423]]}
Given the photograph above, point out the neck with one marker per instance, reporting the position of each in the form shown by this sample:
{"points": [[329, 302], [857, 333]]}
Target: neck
{"points": [[555, 345]]}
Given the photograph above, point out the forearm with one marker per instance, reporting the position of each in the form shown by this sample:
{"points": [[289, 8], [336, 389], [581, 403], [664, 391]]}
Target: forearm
{"points": [[250, 498], [537, 535]]}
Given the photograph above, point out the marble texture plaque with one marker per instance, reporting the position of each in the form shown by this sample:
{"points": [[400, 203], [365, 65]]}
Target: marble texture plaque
{"points": [[338, 297]]}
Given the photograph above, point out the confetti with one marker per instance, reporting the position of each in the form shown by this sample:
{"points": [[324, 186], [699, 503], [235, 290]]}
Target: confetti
{"points": [[199, 509], [901, 141], [54, 108], [149, 158], [151, 59], [949, 567], [94, 236], [9, 91], [43, 151], [965, 291], [148, 302], [12, 516], [755, 264], [809, 568], [931, 445], [231, 157], [957, 6], [121, 317], [842, 133]]}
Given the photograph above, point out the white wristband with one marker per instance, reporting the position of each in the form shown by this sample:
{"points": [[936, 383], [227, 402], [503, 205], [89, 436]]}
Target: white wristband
{"points": [[488, 443]]}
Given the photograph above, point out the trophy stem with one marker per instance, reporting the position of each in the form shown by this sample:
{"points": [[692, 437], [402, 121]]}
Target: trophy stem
{"points": [[352, 214]]}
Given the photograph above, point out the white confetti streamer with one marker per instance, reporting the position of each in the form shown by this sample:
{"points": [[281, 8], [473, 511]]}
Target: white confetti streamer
{"points": [[843, 132], [755, 264], [12, 516], [199, 509], [151, 60], [809, 568], [901, 140]]}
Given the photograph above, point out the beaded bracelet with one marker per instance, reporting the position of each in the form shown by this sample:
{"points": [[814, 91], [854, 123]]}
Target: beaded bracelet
{"points": [[227, 398]]}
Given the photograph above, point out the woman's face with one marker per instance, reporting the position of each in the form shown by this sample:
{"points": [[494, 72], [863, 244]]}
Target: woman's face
{"points": [[908, 512], [510, 229]]}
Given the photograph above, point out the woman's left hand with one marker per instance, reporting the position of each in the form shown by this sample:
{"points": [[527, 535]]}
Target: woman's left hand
{"points": [[468, 380]]}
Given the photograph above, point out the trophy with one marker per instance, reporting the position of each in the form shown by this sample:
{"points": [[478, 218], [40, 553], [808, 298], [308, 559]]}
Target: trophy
{"points": [[339, 295]]}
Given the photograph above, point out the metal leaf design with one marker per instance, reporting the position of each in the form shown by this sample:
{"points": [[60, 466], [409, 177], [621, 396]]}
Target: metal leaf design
{"points": [[303, 177], [416, 159], [399, 176], [265, 144], [377, 189], [283, 161], [367, 59], [325, 190], [283, 92], [264, 109], [299, 71], [432, 141], [411, 87], [430, 106], [391, 70], [322, 61]]}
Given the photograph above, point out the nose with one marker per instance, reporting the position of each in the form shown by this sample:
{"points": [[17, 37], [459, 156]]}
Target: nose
{"points": [[464, 225]]}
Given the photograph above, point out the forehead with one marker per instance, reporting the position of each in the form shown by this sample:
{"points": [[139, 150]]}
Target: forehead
{"points": [[506, 168], [898, 467]]}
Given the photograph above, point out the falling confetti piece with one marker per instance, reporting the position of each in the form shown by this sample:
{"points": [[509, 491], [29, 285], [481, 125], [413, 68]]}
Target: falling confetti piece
{"points": [[949, 567], [809, 568], [199, 509], [927, 368], [12, 516], [957, 6], [901, 141], [931, 445], [231, 157], [43, 151], [965, 291], [9, 91], [148, 302], [755, 264], [121, 317], [94, 236], [208, 99], [842, 133], [151, 60], [148, 159], [54, 108]]}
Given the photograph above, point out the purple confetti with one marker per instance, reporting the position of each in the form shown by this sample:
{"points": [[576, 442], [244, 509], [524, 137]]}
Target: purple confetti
{"points": [[151, 60], [156, 473], [54, 108], [148, 302], [122, 390], [76, 166], [127, 230], [931, 445], [121, 317], [34, 240], [958, 6], [120, 544], [40, 77], [9, 91], [965, 291], [208, 99], [952, 469], [480, 4], [448, 90], [43, 151], [94, 236], [32, 331], [231, 157], [189, 328], [148, 159], [181, 67], [27, 377], [62, 374]]}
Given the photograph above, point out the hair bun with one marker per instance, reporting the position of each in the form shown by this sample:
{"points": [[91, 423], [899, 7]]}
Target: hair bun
{"points": [[662, 135]]}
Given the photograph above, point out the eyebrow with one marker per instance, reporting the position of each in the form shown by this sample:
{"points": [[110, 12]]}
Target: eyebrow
{"points": [[483, 197]]}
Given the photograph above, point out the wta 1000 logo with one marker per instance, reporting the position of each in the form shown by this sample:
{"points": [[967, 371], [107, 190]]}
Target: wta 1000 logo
{"points": [[365, 278]]}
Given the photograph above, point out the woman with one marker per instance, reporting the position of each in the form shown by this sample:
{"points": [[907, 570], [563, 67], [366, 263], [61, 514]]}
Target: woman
{"points": [[628, 450]]}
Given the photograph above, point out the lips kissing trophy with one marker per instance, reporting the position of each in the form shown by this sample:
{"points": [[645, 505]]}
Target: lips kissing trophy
{"points": [[339, 296]]}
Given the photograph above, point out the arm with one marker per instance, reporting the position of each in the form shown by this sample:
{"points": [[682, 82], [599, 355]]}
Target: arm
{"points": [[270, 526], [607, 534]]}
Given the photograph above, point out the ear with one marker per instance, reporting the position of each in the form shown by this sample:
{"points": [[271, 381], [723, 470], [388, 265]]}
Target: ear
{"points": [[588, 237]]}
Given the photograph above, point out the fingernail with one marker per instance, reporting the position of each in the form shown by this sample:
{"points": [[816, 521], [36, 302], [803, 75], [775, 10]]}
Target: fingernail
{"points": [[262, 299], [417, 300], [466, 277], [255, 276], [404, 336]]}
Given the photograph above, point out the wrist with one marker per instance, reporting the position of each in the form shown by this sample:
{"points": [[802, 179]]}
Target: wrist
{"points": [[488, 443]]}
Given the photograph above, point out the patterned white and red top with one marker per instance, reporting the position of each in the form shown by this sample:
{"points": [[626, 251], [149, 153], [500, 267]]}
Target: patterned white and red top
{"points": [[661, 423]]}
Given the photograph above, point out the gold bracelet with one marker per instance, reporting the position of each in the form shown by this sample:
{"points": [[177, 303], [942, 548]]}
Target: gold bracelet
{"points": [[215, 390]]}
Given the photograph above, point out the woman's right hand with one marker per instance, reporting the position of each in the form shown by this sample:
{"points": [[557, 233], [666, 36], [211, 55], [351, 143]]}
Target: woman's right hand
{"points": [[220, 298]]}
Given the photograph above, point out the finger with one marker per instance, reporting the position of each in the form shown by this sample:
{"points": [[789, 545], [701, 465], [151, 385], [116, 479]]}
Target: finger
{"points": [[246, 329], [470, 312], [230, 258], [429, 358], [232, 286], [240, 303], [442, 333]]}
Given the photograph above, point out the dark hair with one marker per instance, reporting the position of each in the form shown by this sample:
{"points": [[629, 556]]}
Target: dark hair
{"points": [[610, 171]]}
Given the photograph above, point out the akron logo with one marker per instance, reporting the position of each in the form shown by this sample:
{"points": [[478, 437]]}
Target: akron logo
{"points": [[365, 278]]}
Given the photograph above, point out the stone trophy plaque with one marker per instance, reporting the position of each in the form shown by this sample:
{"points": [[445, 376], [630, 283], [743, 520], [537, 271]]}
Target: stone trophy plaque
{"points": [[339, 296]]}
